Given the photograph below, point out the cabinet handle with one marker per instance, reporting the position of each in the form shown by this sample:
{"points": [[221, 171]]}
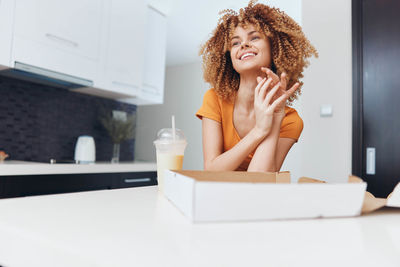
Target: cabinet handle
{"points": [[61, 40], [137, 180], [370, 158], [150, 88], [124, 84], [150, 85]]}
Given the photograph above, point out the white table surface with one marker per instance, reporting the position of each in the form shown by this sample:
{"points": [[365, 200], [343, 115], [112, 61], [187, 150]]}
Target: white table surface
{"points": [[15, 167], [139, 227]]}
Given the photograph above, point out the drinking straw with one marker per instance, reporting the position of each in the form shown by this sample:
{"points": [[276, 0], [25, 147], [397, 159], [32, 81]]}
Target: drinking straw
{"points": [[173, 128]]}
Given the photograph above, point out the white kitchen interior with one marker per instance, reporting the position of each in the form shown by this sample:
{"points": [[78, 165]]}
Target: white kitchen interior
{"points": [[140, 57]]}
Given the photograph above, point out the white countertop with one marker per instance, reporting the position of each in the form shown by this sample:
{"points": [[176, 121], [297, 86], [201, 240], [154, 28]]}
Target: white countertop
{"points": [[139, 227], [13, 167]]}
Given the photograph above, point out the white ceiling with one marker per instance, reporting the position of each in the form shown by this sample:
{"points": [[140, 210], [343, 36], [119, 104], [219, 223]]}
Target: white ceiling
{"points": [[190, 23]]}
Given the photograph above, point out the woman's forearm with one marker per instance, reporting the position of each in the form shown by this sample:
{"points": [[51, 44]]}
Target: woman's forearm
{"points": [[231, 159], [264, 158]]}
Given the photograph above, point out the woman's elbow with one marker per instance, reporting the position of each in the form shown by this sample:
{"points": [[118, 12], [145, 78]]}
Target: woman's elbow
{"points": [[208, 166]]}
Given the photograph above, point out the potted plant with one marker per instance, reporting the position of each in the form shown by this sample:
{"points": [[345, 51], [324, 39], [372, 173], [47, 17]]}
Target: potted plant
{"points": [[120, 126]]}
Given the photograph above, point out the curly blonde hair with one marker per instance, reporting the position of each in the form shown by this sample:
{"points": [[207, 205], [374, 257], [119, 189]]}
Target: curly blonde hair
{"points": [[289, 47]]}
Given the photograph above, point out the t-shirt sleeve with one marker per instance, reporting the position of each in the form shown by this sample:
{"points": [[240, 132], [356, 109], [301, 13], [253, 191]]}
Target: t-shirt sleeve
{"points": [[292, 126], [210, 108]]}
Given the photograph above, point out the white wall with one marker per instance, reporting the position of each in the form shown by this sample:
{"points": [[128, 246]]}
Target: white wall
{"points": [[184, 90], [187, 30], [324, 149]]}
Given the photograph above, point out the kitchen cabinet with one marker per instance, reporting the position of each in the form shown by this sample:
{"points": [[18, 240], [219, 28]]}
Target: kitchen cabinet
{"points": [[116, 48], [2, 188], [155, 54], [134, 64], [123, 64], [57, 35], [152, 89], [30, 185], [6, 25]]}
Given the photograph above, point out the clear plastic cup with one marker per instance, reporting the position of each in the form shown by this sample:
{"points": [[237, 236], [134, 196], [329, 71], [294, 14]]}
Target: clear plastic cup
{"points": [[170, 152]]}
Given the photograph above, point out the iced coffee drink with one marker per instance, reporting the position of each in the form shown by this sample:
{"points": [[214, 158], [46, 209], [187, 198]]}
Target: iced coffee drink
{"points": [[170, 150]]}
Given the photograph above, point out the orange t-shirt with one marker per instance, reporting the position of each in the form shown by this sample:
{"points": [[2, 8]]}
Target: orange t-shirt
{"points": [[222, 111]]}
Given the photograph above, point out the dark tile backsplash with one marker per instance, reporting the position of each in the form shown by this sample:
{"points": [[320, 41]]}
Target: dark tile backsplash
{"points": [[39, 122]]}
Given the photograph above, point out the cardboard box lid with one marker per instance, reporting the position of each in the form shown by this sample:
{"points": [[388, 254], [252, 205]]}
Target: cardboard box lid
{"points": [[393, 199], [371, 203]]}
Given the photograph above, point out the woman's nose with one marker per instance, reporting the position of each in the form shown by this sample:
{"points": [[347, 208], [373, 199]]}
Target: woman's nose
{"points": [[244, 44]]}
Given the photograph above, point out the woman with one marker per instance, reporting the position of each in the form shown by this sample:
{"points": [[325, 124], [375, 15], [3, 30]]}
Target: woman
{"points": [[253, 61]]}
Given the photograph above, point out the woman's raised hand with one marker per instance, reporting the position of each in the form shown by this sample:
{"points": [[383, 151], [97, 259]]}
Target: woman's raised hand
{"points": [[270, 98], [281, 94]]}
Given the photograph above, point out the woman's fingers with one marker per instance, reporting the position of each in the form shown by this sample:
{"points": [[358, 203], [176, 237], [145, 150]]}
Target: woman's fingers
{"points": [[293, 89], [285, 96], [283, 81], [263, 89], [271, 94], [282, 99], [275, 79], [271, 74], [259, 85]]}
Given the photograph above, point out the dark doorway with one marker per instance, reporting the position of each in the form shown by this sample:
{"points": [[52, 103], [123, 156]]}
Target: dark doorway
{"points": [[376, 93]]}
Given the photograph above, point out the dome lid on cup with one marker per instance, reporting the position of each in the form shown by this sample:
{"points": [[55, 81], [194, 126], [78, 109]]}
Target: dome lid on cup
{"points": [[165, 135]]}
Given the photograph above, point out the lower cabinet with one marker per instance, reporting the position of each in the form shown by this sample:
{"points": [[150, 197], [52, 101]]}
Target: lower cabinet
{"points": [[30, 185]]}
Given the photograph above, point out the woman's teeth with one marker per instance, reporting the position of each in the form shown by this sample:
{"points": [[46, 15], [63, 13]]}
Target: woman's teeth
{"points": [[247, 55]]}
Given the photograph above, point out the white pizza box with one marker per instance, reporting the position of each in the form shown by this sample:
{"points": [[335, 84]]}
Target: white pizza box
{"points": [[210, 196]]}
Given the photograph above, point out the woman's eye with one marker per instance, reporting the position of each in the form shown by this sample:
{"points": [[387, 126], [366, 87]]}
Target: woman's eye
{"points": [[255, 38], [235, 43]]}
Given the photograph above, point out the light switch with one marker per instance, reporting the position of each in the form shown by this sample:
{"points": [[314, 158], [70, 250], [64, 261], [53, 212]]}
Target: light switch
{"points": [[326, 110]]}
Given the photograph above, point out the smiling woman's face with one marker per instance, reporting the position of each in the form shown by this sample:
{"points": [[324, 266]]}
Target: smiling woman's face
{"points": [[250, 50]]}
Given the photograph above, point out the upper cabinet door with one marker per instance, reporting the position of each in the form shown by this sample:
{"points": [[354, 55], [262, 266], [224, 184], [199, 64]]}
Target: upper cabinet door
{"points": [[6, 22], [125, 47], [155, 53], [152, 87], [59, 35]]}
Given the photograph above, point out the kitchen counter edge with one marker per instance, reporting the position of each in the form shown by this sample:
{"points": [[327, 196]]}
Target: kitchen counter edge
{"points": [[35, 168]]}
